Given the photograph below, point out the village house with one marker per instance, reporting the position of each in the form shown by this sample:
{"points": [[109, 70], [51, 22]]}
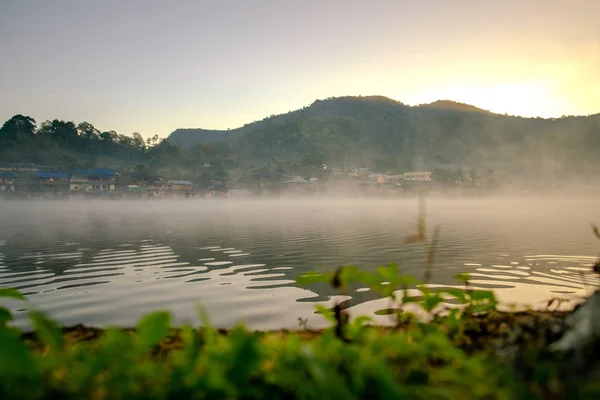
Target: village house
{"points": [[93, 180], [7, 181], [424, 176], [53, 180], [180, 185]]}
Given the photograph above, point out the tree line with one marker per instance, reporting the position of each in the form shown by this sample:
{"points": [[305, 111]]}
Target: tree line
{"points": [[69, 146]]}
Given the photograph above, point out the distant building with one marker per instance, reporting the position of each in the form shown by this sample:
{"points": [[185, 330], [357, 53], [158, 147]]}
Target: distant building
{"points": [[424, 176], [297, 179], [7, 181], [93, 180], [53, 179], [393, 178], [134, 189], [180, 185]]}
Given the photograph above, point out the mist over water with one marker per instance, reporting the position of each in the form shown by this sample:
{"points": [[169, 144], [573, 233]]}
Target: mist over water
{"points": [[109, 262]]}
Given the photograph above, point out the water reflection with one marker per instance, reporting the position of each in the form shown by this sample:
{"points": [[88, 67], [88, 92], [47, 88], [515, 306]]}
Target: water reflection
{"points": [[107, 262]]}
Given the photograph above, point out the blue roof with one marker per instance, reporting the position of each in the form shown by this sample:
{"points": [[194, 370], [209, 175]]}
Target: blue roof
{"points": [[7, 175], [94, 172], [53, 175]]}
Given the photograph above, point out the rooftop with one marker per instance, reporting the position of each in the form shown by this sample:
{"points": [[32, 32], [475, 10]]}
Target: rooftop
{"points": [[53, 175]]}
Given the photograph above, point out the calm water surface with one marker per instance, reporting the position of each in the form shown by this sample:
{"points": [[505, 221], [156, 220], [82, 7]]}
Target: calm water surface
{"points": [[108, 262]]}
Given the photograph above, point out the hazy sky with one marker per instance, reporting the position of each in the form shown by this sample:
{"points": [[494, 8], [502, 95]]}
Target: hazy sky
{"points": [[153, 66]]}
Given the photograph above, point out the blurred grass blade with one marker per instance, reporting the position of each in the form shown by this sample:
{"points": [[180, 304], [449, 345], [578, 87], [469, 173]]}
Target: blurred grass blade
{"points": [[431, 249], [153, 327], [596, 230], [463, 277], [47, 330], [11, 293], [5, 316], [326, 312]]}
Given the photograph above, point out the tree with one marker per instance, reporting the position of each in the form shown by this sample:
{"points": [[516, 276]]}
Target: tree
{"points": [[69, 162], [153, 141], [18, 128], [109, 137], [137, 142], [88, 131], [143, 174], [63, 132]]}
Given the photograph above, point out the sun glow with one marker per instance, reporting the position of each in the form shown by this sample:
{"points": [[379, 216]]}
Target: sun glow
{"points": [[523, 99]]}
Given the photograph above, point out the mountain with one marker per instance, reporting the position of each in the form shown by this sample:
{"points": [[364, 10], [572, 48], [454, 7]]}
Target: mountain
{"points": [[385, 134], [454, 106], [189, 137]]}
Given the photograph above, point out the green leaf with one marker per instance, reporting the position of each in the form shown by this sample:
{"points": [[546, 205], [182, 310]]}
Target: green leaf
{"points": [[456, 293], [410, 299], [481, 308], [153, 327], [452, 320], [46, 329], [424, 289], [5, 316], [191, 347], [405, 280], [11, 293], [361, 320], [325, 312], [116, 345], [204, 317], [431, 301], [477, 295], [350, 273], [369, 278], [389, 272], [16, 359], [208, 333], [387, 290], [463, 277]]}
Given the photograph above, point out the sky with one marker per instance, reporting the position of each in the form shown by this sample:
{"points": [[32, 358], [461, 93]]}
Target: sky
{"points": [[153, 66]]}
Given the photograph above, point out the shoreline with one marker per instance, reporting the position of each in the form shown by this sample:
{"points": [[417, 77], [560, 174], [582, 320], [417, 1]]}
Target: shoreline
{"points": [[477, 328]]}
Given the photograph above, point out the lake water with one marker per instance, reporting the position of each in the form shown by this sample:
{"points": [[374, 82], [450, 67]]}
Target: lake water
{"points": [[108, 262]]}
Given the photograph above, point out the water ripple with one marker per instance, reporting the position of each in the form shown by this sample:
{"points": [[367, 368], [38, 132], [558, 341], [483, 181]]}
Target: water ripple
{"points": [[104, 264]]}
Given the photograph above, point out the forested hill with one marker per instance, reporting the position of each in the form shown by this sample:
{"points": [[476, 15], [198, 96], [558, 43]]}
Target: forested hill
{"points": [[454, 106], [385, 134], [190, 137]]}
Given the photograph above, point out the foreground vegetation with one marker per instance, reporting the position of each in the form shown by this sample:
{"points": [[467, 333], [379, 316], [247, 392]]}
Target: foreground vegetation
{"points": [[454, 356]]}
